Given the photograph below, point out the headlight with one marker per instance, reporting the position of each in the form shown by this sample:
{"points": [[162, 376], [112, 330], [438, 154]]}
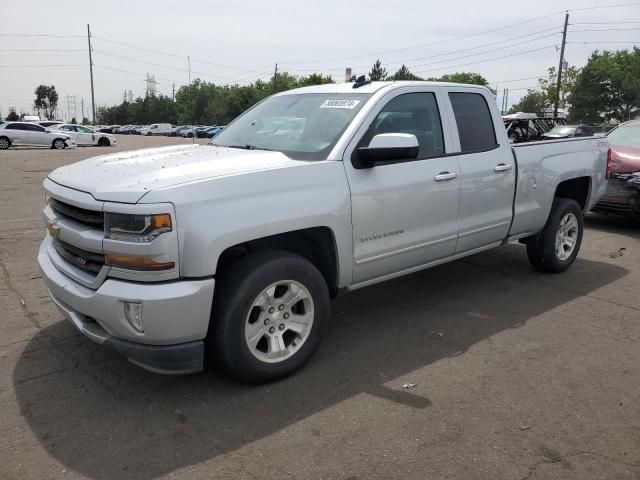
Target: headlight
{"points": [[136, 228]]}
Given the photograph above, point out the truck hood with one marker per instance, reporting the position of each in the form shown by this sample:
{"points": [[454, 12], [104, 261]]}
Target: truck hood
{"points": [[128, 176]]}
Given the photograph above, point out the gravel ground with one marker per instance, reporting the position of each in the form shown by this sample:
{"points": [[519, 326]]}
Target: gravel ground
{"points": [[517, 374]]}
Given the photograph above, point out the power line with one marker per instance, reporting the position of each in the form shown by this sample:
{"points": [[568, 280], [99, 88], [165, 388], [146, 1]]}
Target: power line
{"points": [[589, 43], [407, 62], [604, 30], [182, 57], [488, 59], [462, 37]]}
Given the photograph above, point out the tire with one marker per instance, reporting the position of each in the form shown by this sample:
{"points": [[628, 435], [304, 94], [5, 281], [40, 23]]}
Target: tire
{"points": [[104, 142], [58, 144], [149, 134], [247, 339], [550, 250], [190, 135], [5, 143]]}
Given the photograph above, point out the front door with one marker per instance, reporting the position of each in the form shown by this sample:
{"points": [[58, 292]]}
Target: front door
{"points": [[404, 214]]}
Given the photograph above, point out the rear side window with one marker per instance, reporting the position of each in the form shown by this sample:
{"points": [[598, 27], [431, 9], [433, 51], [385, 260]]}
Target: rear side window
{"points": [[475, 125], [34, 128]]}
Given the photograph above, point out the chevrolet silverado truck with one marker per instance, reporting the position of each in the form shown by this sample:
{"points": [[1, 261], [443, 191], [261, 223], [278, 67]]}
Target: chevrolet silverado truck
{"points": [[229, 253]]}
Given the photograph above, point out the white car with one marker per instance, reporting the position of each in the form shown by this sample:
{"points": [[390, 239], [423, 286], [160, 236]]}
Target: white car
{"points": [[85, 135], [26, 134]]}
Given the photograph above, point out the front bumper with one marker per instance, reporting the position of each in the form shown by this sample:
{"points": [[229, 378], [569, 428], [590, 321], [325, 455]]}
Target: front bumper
{"points": [[175, 314]]}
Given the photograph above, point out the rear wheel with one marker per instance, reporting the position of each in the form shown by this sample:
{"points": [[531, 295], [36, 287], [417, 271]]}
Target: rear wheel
{"points": [[268, 316], [58, 144], [4, 143], [556, 247]]}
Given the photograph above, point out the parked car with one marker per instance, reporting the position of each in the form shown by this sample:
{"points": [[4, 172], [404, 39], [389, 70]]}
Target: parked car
{"points": [[130, 130], [568, 131], [107, 129], [385, 179], [85, 135], [156, 129], [14, 134], [49, 123], [213, 131], [175, 132], [190, 132], [623, 191]]}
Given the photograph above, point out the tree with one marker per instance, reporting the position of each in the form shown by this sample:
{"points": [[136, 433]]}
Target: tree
{"points": [[607, 87], [533, 102], [403, 73], [378, 72], [568, 81], [12, 116], [74, 121], [47, 100], [85, 121]]}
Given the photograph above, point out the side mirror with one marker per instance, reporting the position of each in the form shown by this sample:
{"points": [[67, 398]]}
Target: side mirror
{"points": [[387, 147]]}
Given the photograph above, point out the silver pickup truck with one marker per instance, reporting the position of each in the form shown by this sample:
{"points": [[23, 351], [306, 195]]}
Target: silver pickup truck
{"points": [[230, 252]]}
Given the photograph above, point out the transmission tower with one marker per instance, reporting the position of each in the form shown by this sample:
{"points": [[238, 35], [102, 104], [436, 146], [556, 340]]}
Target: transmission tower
{"points": [[151, 85], [72, 107]]}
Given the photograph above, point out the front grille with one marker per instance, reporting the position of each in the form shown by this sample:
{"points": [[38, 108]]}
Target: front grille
{"points": [[93, 218], [87, 261]]}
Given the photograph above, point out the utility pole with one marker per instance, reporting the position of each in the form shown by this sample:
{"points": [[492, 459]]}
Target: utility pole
{"points": [[93, 97], [173, 92], [82, 108], [275, 78], [560, 64], [189, 63]]}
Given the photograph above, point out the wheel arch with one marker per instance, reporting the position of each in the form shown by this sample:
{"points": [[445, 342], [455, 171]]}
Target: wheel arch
{"points": [[578, 189], [316, 244]]}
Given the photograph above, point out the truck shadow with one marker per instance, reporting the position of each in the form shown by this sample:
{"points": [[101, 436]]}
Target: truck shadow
{"points": [[105, 418], [614, 224]]}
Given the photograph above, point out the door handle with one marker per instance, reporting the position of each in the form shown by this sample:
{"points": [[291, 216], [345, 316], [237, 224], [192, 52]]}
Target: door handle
{"points": [[442, 176], [501, 167]]}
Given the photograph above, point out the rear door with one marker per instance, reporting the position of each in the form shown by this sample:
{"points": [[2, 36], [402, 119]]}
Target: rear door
{"points": [[487, 170], [17, 133]]}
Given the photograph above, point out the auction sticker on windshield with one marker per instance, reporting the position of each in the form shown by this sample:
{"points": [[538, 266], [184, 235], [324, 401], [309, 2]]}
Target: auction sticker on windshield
{"points": [[348, 104]]}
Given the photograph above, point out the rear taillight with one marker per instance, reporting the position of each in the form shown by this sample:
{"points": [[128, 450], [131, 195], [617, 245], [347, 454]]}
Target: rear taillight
{"points": [[609, 163]]}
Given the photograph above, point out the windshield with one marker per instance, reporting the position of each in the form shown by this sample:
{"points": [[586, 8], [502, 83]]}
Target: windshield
{"points": [[562, 130], [302, 126], [626, 136]]}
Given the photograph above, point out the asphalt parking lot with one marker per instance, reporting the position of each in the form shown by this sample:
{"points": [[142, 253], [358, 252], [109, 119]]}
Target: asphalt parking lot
{"points": [[517, 374]]}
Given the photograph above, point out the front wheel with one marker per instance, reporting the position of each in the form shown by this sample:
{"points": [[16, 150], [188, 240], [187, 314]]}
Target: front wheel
{"points": [[269, 312], [103, 142], [556, 247], [58, 144]]}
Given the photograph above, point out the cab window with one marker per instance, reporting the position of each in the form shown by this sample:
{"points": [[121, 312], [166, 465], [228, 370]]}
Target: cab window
{"points": [[413, 113]]}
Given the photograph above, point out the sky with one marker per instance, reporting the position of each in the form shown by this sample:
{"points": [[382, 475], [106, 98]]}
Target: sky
{"points": [[509, 43]]}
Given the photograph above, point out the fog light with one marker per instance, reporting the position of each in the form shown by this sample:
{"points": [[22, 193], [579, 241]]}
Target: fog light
{"points": [[133, 314]]}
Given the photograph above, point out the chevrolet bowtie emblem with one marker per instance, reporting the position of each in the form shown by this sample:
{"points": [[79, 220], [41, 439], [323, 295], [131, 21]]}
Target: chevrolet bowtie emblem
{"points": [[54, 229]]}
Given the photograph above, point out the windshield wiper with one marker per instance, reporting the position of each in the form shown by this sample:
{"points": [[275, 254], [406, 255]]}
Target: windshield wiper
{"points": [[243, 147]]}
